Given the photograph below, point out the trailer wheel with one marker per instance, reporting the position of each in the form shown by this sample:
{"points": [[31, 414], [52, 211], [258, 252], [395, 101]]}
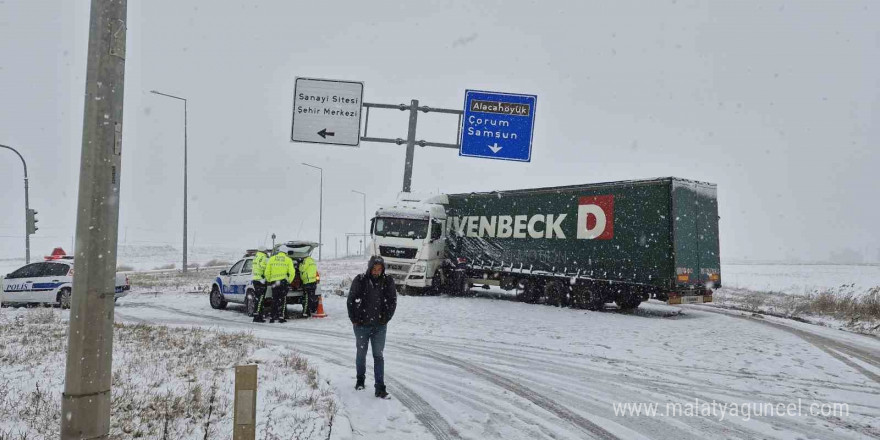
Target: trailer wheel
{"points": [[579, 297], [528, 291], [628, 302], [586, 297], [508, 283], [556, 294]]}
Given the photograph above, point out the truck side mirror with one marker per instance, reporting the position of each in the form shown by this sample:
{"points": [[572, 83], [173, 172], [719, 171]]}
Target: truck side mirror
{"points": [[223, 272]]}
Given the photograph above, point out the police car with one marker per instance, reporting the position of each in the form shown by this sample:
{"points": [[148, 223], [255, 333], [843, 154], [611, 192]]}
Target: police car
{"points": [[48, 282], [235, 285]]}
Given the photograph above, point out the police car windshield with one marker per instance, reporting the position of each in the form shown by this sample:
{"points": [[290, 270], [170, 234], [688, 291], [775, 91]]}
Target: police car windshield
{"points": [[401, 227]]}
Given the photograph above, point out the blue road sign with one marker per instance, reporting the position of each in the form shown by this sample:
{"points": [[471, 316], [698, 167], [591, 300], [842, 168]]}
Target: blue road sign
{"points": [[497, 125]]}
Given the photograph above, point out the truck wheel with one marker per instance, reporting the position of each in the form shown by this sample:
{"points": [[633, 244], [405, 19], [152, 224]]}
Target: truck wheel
{"points": [[528, 292], [64, 298], [508, 283], [217, 301], [580, 297], [250, 303], [556, 294]]}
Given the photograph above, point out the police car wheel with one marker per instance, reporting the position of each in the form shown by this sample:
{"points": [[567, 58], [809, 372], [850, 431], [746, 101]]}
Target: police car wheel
{"points": [[217, 301], [250, 306], [64, 298]]}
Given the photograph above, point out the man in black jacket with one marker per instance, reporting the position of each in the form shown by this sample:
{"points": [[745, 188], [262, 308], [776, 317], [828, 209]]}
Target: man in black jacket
{"points": [[372, 300]]}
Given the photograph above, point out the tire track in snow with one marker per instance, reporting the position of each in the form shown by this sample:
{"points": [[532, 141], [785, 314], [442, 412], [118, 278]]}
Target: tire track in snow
{"points": [[581, 423], [560, 411], [833, 347], [422, 410], [611, 381]]}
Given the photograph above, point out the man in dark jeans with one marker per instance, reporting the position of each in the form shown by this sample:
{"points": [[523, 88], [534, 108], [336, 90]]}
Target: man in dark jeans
{"points": [[372, 300]]}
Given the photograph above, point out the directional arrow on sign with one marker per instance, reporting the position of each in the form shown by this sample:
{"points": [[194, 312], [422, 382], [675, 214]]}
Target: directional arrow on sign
{"points": [[324, 133], [495, 148]]}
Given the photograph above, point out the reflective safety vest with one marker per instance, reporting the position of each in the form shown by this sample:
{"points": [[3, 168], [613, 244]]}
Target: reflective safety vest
{"points": [[259, 265], [308, 271], [280, 267]]}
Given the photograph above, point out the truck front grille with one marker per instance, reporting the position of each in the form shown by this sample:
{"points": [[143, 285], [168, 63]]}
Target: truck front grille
{"points": [[397, 252], [396, 267]]}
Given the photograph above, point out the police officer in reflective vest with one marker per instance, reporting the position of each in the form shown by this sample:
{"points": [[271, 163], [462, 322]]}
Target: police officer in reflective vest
{"points": [[308, 273], [259, 281], [279, 274]]}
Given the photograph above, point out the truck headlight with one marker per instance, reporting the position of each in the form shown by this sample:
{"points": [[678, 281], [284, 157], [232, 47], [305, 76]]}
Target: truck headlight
{"points": [[419, 268]]}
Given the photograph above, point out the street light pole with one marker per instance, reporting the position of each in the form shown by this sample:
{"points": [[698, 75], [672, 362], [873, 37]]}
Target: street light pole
{"points": [[365, 219], [27, 235], [320, 208], [185, 160]]}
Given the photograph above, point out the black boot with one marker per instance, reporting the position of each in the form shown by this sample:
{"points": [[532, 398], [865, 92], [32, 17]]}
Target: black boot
{"points": [[258, 318], [359, 385], [381, 392]]}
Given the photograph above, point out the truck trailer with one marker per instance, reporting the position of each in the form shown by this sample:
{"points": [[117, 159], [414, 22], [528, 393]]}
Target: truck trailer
{"points": [[580, 246]]}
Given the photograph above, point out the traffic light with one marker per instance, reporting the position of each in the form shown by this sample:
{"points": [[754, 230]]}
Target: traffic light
{"points": [[32, 221]]}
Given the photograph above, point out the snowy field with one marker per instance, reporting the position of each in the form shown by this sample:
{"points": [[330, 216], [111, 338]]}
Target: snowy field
{"points": [[799, 279], [172, 383], [477, 368], [480, 368], [142, 257]]}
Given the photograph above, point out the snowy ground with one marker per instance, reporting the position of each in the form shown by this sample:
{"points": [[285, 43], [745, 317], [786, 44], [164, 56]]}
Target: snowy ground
{"points": [[478, 368], [845, 297], [174, 383]]}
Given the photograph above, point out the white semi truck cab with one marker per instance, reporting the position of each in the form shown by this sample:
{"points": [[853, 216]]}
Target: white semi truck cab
{"points": [[411, 236]]}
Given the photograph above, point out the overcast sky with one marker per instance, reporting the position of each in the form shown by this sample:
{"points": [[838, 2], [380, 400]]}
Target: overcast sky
{"points": [[778, 102]]}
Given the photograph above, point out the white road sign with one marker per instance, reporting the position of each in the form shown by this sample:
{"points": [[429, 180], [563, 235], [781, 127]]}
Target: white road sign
{"points": [[327, 111]]}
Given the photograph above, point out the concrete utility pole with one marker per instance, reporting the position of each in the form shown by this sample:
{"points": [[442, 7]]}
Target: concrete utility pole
{"points": [[27, 231], [85, 404], [184, 168], [365, 216], [320, 209]]}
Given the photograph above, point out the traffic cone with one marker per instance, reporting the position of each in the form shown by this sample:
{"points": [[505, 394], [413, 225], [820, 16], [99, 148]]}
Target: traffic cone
{"points": [[320, 312]]}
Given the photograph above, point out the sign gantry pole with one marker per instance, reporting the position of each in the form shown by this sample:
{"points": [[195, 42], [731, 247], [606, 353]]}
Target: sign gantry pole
{"points": [[492, 125]]}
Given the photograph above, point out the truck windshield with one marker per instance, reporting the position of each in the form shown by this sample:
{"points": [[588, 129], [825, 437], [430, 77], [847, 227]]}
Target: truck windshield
{"points": [[401, 227]]}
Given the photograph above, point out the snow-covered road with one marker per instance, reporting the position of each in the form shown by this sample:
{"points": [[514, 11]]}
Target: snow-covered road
{"points": [[477, 368]]}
